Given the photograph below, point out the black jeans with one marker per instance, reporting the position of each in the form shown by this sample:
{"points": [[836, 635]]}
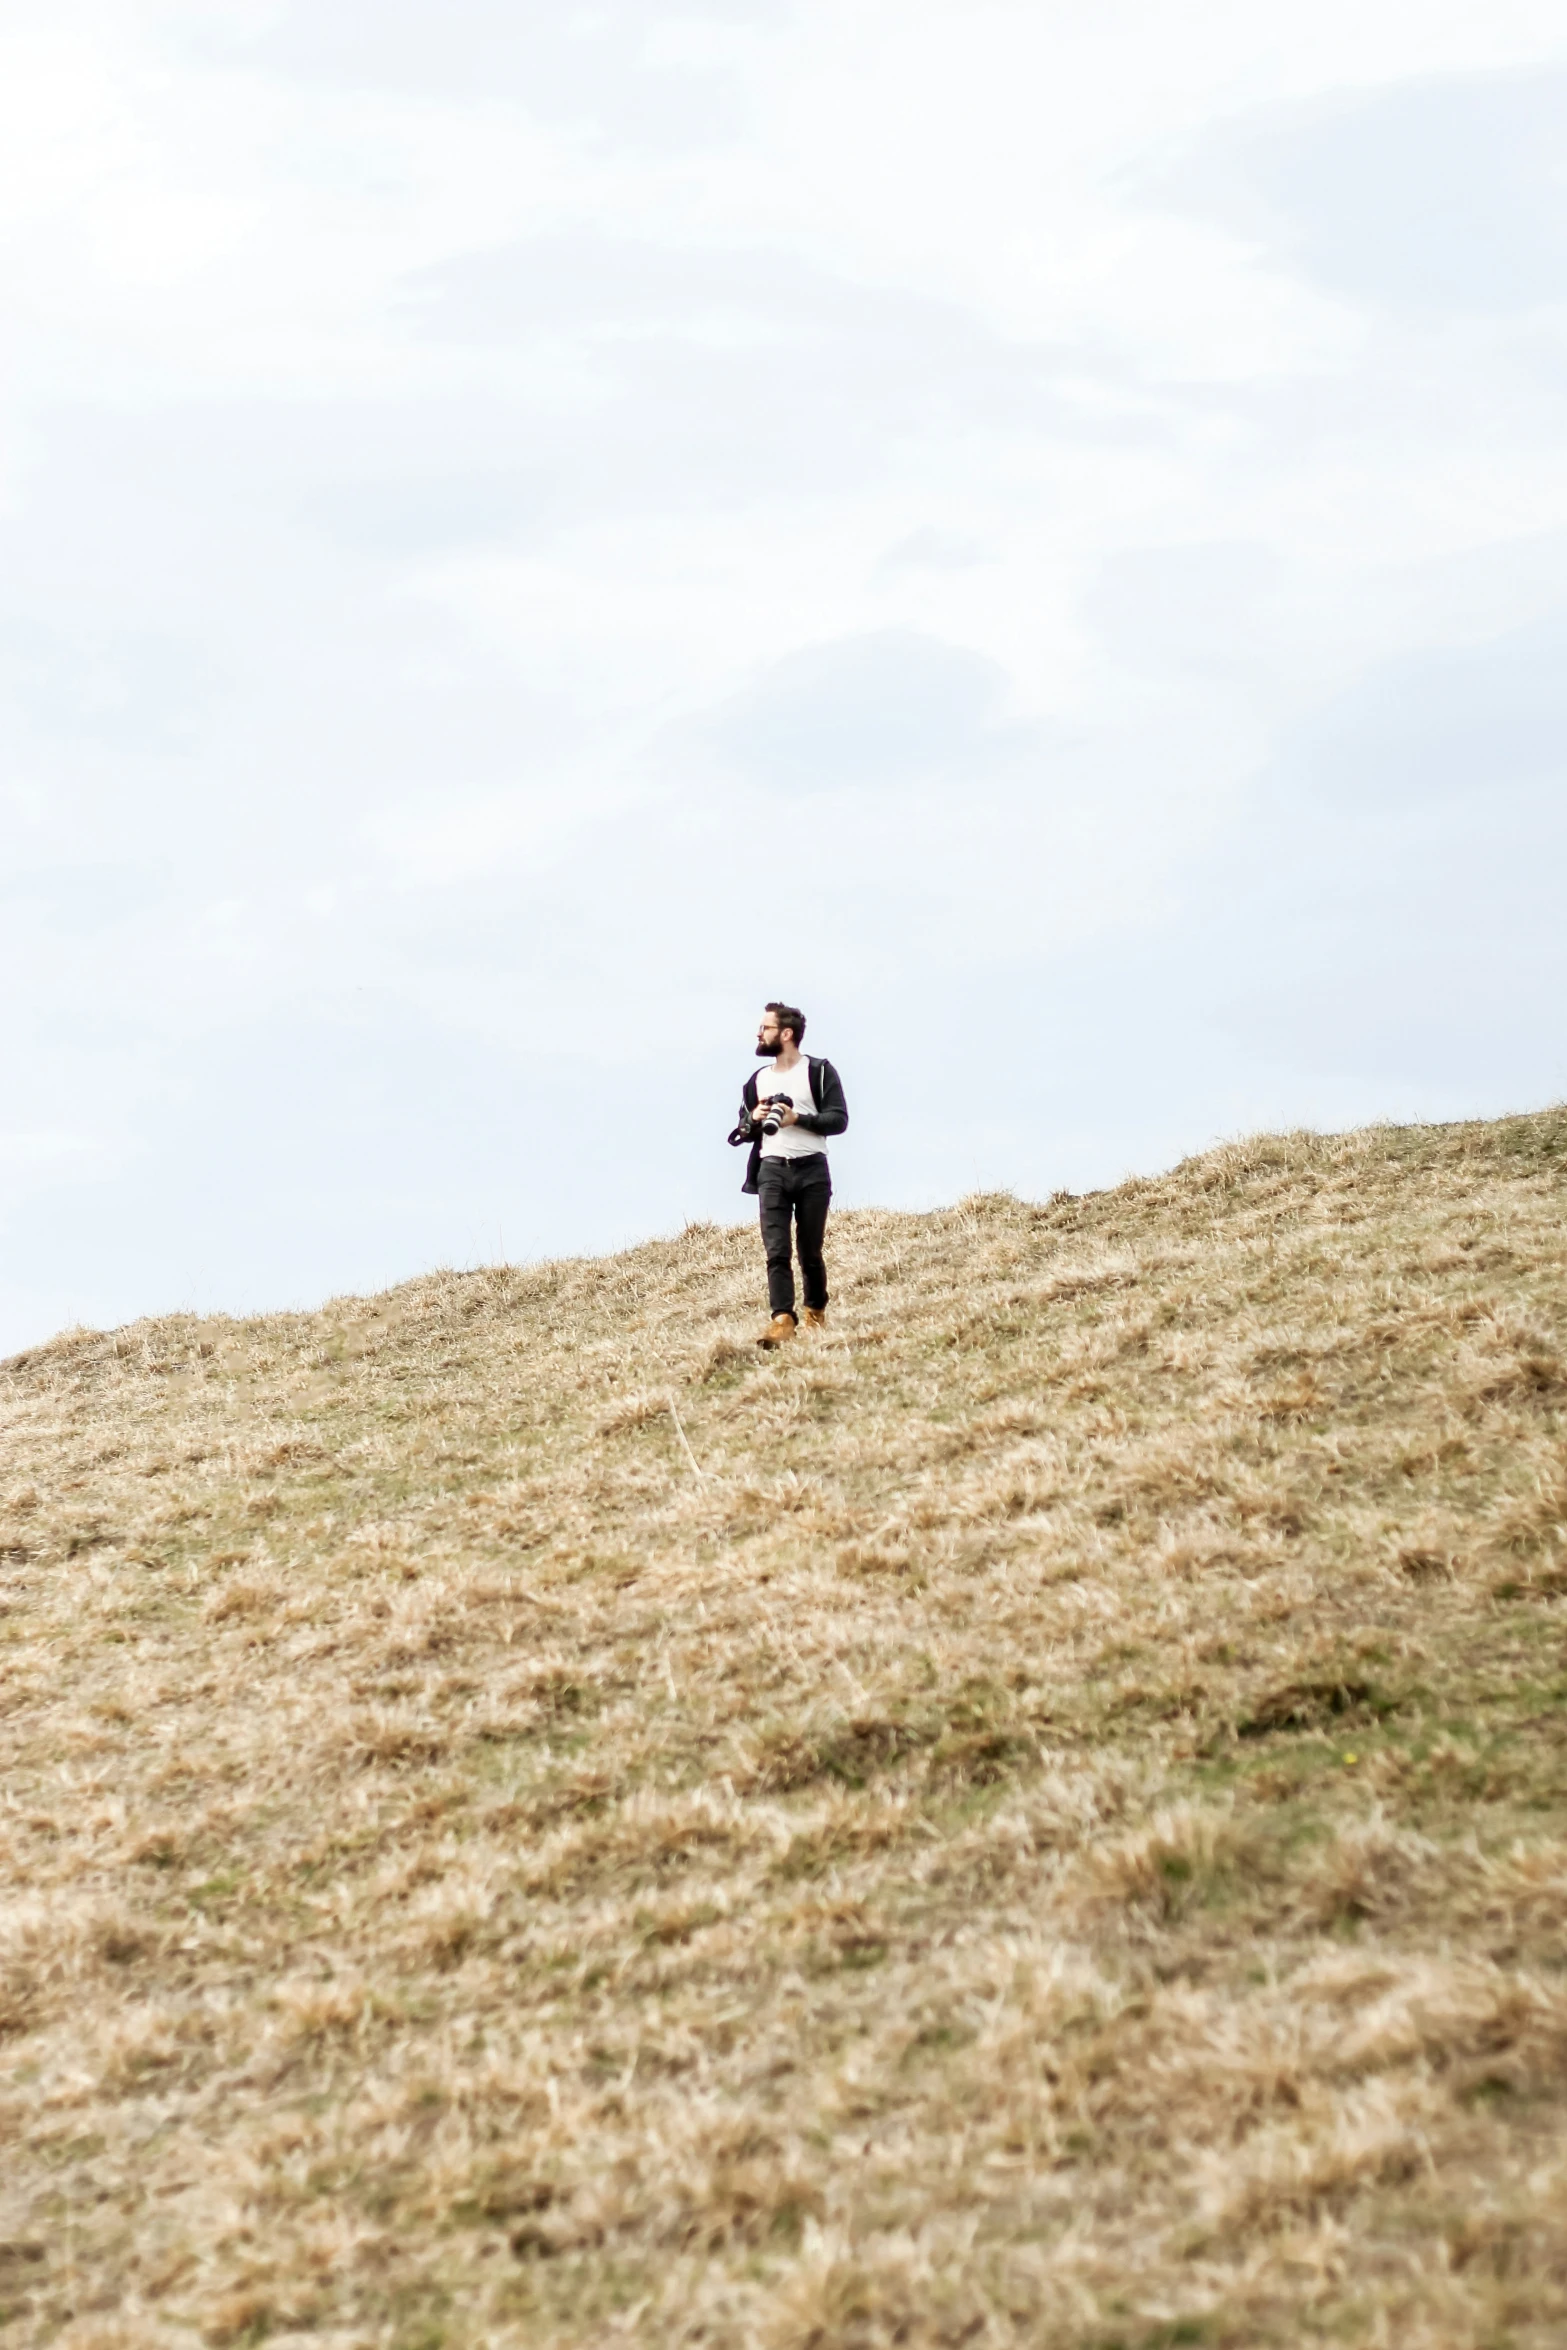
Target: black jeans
{"points": [[801, 1190]]}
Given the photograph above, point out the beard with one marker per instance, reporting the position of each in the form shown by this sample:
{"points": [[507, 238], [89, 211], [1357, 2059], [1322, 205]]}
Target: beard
{"points": [[766, 1051]]}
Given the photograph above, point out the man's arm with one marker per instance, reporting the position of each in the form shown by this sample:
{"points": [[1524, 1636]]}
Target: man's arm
{"points": [[745, 1131], [831, 1114]]}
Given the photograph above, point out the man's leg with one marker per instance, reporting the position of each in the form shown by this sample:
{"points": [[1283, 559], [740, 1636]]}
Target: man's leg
{"points": [[773, 1205], [810, 1218]]}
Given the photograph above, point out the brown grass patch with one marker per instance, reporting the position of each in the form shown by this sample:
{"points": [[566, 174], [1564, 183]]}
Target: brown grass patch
{"points": [[1036, 1818]]}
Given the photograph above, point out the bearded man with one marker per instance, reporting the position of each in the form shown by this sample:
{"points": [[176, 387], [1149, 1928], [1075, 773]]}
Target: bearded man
{"points": [[788, 1108]]}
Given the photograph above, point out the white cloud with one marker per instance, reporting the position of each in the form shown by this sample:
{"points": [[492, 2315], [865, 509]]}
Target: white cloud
{"points": [[1048, 517]]}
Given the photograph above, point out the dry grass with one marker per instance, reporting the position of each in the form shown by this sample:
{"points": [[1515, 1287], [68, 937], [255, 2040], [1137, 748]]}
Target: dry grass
{"points": [[1038, 1818]]}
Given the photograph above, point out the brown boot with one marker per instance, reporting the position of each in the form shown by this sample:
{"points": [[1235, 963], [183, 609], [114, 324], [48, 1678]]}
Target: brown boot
{"points": [[778, 1329], [815, 1317]]}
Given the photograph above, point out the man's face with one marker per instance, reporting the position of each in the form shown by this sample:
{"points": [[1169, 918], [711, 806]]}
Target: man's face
{"points": [[769, 1037]]}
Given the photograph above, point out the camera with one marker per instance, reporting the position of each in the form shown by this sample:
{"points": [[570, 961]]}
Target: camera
{"points": [[768, 1107]]}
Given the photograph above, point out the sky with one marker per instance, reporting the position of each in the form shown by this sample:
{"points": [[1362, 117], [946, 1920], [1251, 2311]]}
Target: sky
{"points": [[1035, 530]]}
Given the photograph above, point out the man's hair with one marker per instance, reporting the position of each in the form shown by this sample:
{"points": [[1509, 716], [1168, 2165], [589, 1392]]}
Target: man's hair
{"points": [[790, 1016]]}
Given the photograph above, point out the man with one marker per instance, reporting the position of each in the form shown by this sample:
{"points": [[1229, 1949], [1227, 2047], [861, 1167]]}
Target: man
{"points": [[787, 1111]]}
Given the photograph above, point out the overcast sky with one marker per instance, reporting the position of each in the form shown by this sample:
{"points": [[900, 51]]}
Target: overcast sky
{"points": [[1036, 528]]}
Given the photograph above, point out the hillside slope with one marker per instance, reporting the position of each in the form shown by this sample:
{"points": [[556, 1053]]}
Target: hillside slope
{"points": [[1037, 1818]]}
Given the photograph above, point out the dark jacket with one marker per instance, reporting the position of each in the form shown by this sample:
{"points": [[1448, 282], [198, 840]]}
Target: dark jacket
{"points": [[830, 1116]]}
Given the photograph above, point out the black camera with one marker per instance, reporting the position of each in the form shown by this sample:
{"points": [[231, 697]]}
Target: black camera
{"points": [[768, 1107]]}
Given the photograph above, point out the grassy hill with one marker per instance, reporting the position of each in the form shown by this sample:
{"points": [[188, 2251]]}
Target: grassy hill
{"points": [[1038, 1818]]}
